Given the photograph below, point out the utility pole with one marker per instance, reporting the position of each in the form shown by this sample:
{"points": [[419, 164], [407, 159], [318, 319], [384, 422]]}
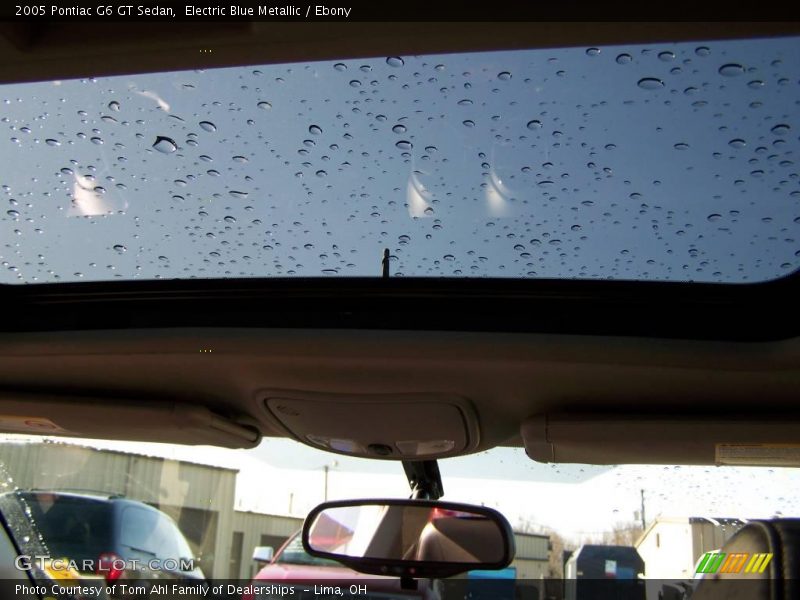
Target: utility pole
{"points": [[642, 513], [327, 468]]}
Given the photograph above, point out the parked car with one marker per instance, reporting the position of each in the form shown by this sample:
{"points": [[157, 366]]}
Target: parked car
{"points": [[107, 537], [293, 565]]}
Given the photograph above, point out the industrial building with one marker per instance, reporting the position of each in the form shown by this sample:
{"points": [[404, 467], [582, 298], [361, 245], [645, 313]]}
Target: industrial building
{"points": [[200, 498], [671, 547]]}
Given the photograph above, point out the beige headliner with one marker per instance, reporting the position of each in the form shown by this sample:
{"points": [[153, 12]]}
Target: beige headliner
{"points": [[508, 378]]}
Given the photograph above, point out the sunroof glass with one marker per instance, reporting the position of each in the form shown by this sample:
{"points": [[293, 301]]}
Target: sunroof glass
{"points": [[673, 162]]}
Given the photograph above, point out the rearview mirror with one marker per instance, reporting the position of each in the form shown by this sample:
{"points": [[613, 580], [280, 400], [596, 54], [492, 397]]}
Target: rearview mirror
{"points": [[409, 538]]}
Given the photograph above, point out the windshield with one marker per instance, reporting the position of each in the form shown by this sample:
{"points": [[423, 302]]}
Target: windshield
{"points": [[671, 515], [669, 162]]}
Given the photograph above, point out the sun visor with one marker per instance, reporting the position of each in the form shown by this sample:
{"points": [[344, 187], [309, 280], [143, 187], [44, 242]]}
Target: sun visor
{"points": [[122, 419], [393, 427], [603, 439]]}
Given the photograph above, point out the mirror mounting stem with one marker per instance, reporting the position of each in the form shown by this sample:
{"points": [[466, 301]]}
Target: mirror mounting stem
{"points": [[424, 479], [409, 583]]}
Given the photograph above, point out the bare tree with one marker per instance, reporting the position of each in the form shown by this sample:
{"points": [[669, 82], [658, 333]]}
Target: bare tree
{"points": [[557, 545], [621, 534]]}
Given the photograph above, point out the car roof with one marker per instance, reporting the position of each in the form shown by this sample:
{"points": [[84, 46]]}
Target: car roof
{"points": [[500, 356], [88, 495]]}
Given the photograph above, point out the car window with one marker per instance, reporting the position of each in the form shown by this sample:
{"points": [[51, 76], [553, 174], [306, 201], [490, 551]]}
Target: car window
{"points": [[666, 162], [152, 533], [670, 515], [77, 527]]}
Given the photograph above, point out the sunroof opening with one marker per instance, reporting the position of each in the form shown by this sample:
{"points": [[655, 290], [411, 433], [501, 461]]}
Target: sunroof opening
{"points": [[668, 162]]}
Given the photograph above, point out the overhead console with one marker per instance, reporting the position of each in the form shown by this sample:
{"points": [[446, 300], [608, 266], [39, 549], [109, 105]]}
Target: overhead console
{"points": [[416, 426]]}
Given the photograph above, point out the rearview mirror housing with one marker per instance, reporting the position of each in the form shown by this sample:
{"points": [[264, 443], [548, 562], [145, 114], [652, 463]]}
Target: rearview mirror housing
{"points": [[409, 538]]}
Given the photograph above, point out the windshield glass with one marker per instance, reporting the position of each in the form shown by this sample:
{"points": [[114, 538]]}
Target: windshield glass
{"points": [[670, 515], [669, 162]]}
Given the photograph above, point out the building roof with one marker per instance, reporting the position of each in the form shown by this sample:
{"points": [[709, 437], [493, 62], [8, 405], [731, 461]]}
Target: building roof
{"points": [[690, 521]]}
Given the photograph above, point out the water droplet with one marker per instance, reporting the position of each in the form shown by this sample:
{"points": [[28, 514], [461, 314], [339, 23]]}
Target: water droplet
{"points": [[240, 159], [321, 173], [731, 70], [208, 126], [504, 76], [592, 51], [238, 194], [165, 145], [315, 129], [666, 56], [714, 217], [399, 128], [449, 257], [13, 214], [681, 146], [404, 145], [624, 58], [113, 105], [756, 84], [264, 105], [702, 51], [465, 102], [737, 143], [781, 129], [468, 123], [52, 142], [395, 61], [229, 219], [534, 124], [650, 83], [97, 140], [120, 248], [355, 83]]}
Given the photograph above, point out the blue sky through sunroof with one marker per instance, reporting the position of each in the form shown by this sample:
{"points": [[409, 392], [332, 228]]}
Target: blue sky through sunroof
{"points": [[662, 162]]}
